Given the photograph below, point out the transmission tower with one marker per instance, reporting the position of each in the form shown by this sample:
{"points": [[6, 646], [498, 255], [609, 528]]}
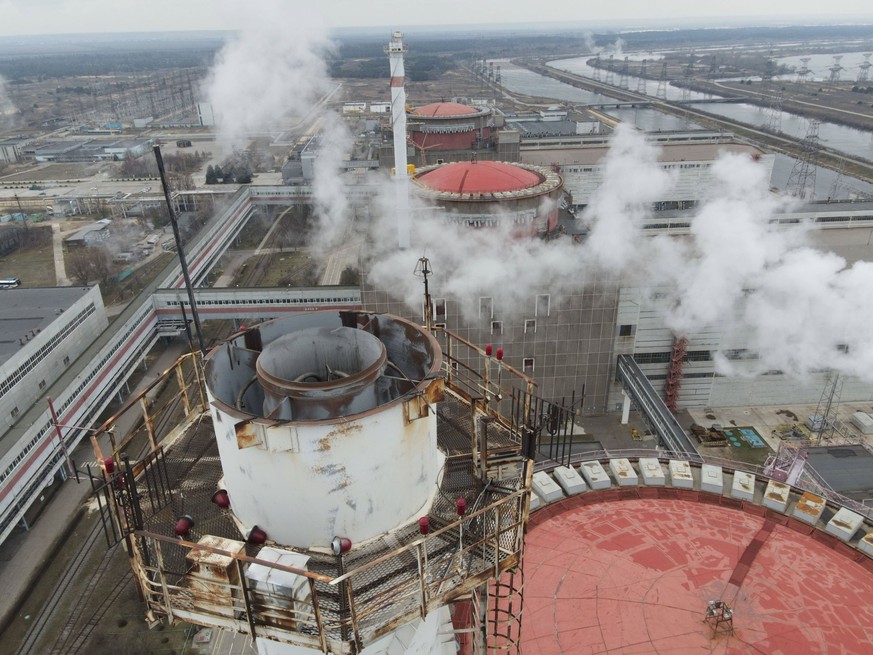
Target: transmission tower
{"points": [[825, 419], [864, 68], [609, 70], [835, 70], [801, 181], [641, 80], [497, 77], [803, 72], [623, 74], [689, 73], [773, 116], [661, 91], [769, 68]]}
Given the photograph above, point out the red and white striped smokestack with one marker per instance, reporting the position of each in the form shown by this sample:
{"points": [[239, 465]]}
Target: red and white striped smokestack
{"points": [[395, 51]]}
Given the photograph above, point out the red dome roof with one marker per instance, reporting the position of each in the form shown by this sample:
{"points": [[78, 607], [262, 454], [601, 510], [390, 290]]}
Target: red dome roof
{"points": [[478, 177], [444, 110]]}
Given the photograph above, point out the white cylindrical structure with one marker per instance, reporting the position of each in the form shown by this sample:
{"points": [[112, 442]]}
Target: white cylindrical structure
{"points": [[395, 51], [325, 425]]}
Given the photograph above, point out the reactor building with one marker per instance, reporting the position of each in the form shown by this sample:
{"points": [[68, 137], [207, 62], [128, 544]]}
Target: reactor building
{"points": [[488, 193]]}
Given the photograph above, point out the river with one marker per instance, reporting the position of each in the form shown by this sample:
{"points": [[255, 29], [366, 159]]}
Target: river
{"points": [[844, 139], [847, 139]]}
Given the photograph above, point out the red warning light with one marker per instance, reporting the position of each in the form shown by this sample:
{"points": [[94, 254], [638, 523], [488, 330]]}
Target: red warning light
{"points": [[256, 536], [221, 499], [183, 525]]}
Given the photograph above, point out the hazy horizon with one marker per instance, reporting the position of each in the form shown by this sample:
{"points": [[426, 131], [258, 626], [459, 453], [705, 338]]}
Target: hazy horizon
{"points": [[74, 17]]}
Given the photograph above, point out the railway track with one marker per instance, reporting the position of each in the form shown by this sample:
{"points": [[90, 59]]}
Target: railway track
{"points": [[78, 628], [61, 588]]}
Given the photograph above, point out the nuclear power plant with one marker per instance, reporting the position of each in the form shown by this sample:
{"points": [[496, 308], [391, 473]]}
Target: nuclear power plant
{"points": [[354, 473]]}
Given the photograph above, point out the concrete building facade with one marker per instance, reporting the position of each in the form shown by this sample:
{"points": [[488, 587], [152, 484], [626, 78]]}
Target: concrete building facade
{"points": [[45, 330]]}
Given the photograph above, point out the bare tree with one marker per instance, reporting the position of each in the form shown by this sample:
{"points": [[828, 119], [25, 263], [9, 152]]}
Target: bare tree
{"points": [[79, 266]]}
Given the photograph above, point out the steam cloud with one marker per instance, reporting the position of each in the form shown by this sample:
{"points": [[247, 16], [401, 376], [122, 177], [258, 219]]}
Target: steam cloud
{"points": [[273, 68], [796, 308], [7, 107], [616, 48]]}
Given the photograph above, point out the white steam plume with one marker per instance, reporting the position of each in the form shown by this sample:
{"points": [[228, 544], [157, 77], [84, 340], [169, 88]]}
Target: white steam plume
{"points": [[331, 206], [7, 107], [796, 307], [273, 69], [616, 48], [632, 181]]}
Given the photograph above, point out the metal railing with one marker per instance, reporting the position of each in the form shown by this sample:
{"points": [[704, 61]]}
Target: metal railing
{"points": [[337, 613]]}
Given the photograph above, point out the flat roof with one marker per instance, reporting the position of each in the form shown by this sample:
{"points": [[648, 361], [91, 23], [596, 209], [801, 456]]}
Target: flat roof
{"points": [[848, 470], [94, 227], [545, 128], [667, 152], [635, 577], [26, 310]]}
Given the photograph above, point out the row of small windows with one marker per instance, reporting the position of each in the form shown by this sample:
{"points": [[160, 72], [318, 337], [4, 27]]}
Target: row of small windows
{"points": [[267, 301], [542, 307], [39, 481], [664, 357], [530, 326], [685, 376], [44, 351], [119, 342]]}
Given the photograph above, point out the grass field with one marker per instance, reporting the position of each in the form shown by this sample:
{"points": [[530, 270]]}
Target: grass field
{"points": [[294, 269], [33, 265]]}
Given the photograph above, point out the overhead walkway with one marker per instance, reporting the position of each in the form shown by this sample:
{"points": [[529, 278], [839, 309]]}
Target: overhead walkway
{"points": [[640, 391]]}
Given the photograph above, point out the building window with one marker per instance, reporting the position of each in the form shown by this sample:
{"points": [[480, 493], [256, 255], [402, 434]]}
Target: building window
{"points": [[67, 360], [625, 330], [440, 326], [486, 307], [496, 327], [530, 325], [14, 412], [42, 384], [527, 365], [439, 309], [543, 302]]}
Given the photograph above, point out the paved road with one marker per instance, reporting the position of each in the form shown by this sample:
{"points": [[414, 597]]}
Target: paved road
{"points": [[60, 265]]}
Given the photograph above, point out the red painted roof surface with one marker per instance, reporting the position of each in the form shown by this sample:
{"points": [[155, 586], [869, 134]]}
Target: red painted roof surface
{"points": [[444, 109], [478, 177], [634, 577]]}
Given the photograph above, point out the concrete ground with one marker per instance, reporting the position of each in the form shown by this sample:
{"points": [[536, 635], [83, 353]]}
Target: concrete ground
{"points": [[767, 420]]}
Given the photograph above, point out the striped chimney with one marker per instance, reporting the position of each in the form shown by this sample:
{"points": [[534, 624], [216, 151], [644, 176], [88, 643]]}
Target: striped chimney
{"points": [[395, 51]]}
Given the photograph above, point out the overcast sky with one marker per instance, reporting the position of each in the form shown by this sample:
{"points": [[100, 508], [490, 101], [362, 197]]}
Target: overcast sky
{"points": [[63, 16]]}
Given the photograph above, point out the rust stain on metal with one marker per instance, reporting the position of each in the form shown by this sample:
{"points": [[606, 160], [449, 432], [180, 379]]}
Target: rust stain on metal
{"points": [[246, 435], [435, 392], [809, 504], [344, 429]]}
